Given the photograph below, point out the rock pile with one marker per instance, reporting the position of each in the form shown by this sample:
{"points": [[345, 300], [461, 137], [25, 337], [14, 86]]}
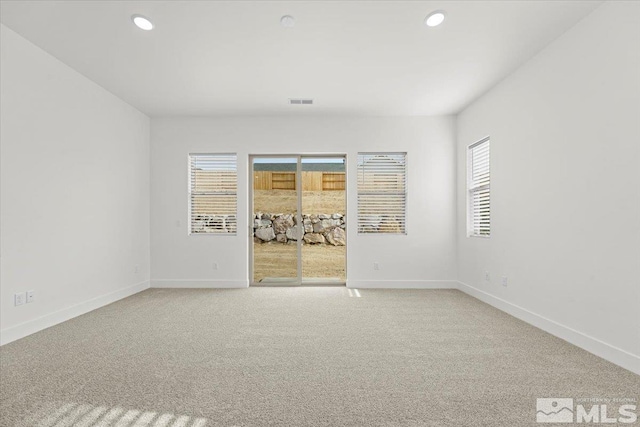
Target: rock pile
{"points": [[315, 229], [380, 224], [214, 224]]}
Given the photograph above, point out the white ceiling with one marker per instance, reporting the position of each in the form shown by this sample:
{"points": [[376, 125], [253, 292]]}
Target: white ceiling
{"points": [[351, 57]]}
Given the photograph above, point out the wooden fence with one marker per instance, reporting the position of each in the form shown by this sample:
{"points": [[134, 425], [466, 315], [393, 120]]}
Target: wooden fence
{"points": [[311, 180]]}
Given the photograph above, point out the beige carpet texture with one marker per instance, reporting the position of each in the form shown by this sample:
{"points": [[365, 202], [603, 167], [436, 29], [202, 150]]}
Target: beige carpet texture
{"points": [[287, 356]]}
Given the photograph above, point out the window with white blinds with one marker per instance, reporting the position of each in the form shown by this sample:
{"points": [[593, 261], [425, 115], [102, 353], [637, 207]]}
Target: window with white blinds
{"points": [[382, 193], [479, 189], [213, 193]]}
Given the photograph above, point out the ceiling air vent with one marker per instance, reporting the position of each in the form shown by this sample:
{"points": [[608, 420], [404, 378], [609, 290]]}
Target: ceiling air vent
{"points": [[299, 101]]}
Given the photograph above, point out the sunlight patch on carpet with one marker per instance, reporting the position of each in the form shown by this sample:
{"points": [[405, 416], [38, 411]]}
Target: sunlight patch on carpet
{"points": [[69, 414]]}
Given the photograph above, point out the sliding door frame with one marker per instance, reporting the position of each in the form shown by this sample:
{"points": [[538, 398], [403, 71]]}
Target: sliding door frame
{"points": [[299, 280]]}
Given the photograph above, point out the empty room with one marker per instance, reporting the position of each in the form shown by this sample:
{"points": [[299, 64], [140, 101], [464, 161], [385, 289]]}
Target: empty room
{"points": [[319, 213]]}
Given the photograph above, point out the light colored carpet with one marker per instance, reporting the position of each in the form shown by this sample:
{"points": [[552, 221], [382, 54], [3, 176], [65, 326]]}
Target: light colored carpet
{"points": [[295, 357]]}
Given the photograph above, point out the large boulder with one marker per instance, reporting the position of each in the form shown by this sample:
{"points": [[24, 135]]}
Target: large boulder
{"points": [[325, 225], [265, 234], [322, 226], [318, 227], [308, 227], [336, 236], [314, 238], [261, 223], [293, 233], [282, 223]]}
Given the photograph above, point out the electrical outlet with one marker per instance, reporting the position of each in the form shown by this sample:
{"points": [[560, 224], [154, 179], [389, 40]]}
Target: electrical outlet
{"points": [[376, 266], [487, 276], [20, 298], [214, 266], [31, 296], [178, 223], [136, 269], [505, 281]]}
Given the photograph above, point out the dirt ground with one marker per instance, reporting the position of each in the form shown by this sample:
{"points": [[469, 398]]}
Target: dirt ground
{"points": [[318, 261], [313, 202], [280, 260]]}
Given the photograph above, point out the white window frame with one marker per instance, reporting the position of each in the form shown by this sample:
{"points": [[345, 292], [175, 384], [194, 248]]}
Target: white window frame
{"points": [[477, 188], [362, 192], [230, 230]]}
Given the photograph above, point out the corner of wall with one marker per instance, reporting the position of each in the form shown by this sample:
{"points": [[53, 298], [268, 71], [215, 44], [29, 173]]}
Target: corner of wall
{"points": [[600, 348], [456, 178], [51, 319]]}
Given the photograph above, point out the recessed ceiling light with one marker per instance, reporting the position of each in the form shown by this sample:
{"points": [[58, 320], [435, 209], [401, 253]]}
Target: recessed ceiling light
{"points": [[142, 22], [287, 21], [434, 18]]}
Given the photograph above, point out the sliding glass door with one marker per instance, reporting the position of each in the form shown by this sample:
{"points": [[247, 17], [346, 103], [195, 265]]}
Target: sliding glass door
{"points": [[298, 234]]}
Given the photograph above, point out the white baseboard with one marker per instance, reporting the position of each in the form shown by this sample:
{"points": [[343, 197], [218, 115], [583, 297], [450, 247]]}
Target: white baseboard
{"points": [[592, 345], [32, 326], [161, 283], [403, 284]]}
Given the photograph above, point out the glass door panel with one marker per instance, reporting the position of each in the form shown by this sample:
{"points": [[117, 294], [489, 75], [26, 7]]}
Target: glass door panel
{"points": [[275, 232], [324, 219]]}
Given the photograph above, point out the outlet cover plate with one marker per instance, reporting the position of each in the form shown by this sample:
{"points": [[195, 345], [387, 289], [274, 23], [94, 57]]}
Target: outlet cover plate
{"points": [[20, 298]]}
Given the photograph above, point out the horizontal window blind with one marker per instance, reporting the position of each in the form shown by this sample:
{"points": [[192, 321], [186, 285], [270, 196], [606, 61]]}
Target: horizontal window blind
{"points": [[479, 188], [382, 192], [213, 193]]}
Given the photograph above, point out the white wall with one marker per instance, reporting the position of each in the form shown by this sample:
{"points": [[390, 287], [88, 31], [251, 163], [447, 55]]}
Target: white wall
{"points": [[424, 257], [74, 191], [565, 153]]}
